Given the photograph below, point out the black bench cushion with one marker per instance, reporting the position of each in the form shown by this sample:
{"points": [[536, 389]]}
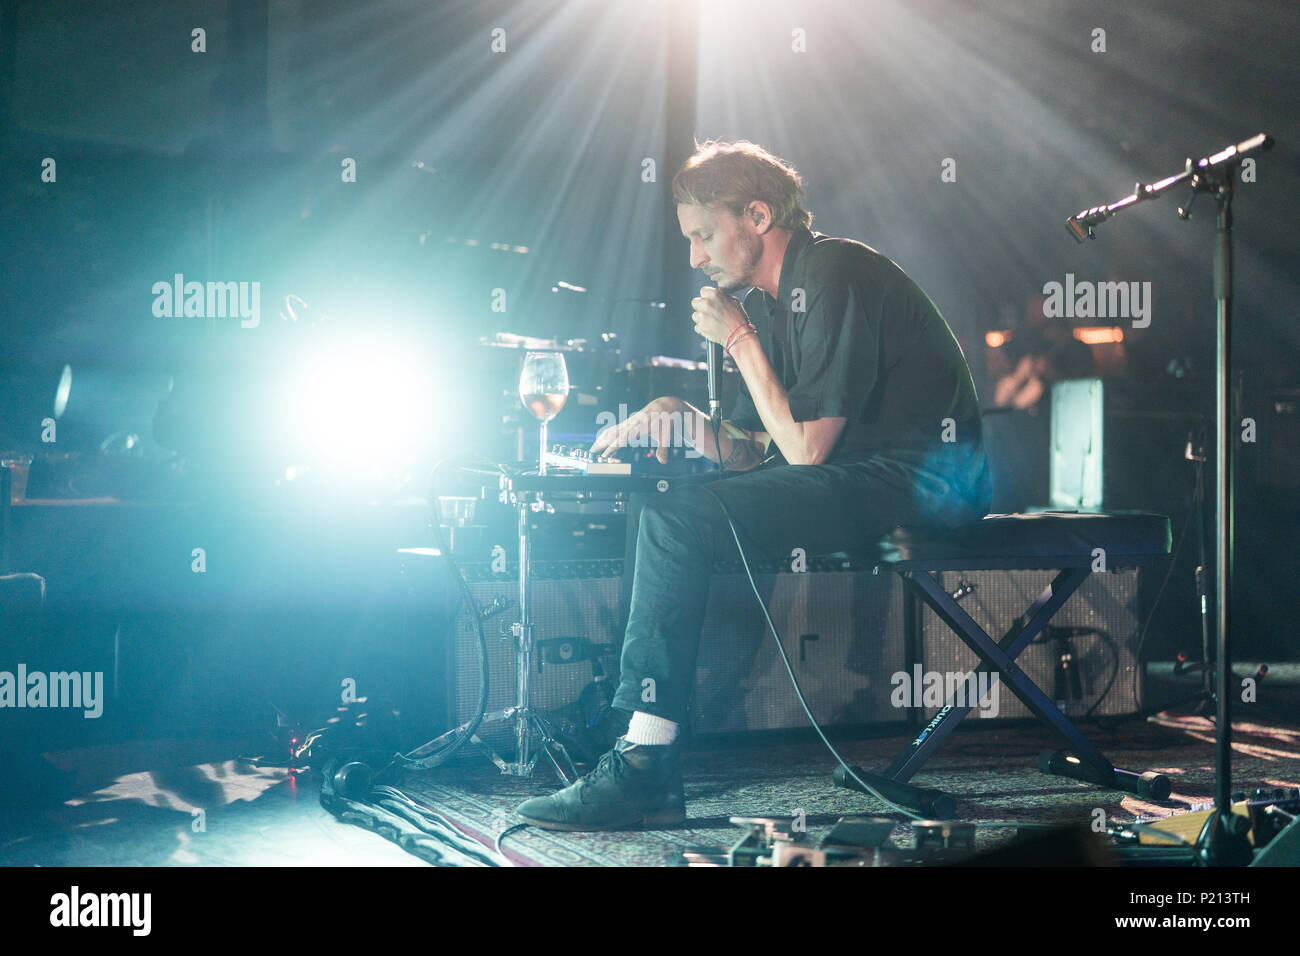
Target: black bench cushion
{"points": [[1051, 539]]}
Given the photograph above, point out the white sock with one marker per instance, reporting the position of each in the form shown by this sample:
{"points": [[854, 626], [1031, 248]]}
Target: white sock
{"points": [[650, 730]]}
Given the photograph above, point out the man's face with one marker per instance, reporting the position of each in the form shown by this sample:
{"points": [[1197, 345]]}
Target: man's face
{"points": [[723, 245]]}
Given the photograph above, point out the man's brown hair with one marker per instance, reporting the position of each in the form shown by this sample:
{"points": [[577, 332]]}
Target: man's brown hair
{"points": [[735, 174]]}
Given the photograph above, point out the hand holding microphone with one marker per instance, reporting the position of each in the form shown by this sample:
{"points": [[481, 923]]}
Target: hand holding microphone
{"points": [[720, 319], [717, 315]]}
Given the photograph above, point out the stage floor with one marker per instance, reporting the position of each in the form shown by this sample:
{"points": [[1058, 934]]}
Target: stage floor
{"points": [[137, 805], [991, 772]]}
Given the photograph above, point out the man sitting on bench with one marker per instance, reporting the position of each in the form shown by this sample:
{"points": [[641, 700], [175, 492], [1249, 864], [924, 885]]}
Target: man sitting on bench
{"points": [[857, 413]]}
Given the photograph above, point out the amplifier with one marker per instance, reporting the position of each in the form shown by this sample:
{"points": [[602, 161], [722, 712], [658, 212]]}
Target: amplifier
{"points": [[1098, 629], [842, 630], [575, 625]]}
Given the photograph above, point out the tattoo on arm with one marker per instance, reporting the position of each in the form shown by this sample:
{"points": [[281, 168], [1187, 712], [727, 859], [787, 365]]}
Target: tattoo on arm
{"points": [[745, 454]]}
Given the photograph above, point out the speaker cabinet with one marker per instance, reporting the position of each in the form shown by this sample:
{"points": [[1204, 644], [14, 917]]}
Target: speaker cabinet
{"points": [[842, 630], [1097, 628], [575, 628]]}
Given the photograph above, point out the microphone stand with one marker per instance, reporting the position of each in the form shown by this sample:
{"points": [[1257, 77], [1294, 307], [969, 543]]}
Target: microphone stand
{"points": [[1223, 841]]}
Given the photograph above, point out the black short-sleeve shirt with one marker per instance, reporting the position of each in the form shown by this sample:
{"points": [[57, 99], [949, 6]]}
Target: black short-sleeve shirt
{"points": [[850, 335]]}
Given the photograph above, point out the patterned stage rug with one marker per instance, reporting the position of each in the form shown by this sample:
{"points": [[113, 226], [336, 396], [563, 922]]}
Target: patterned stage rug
{"points": [[991, 772]]}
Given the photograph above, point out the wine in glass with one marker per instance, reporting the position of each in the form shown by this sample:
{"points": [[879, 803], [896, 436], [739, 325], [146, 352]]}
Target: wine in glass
{"points": [[544, 388]]}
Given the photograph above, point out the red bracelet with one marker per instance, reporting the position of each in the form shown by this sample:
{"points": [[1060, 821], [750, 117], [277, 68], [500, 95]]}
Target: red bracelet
{"points": [[740, 338], [738, 333]]}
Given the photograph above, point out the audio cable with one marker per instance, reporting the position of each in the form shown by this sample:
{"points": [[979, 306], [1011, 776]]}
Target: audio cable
{"points": [[790, 670]]}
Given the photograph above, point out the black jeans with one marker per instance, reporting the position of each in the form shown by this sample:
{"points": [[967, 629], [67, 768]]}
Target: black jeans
{"points": [[675, 538]]}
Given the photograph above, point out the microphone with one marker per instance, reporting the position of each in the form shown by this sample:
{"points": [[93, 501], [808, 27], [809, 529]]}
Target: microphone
{"points": [[713, 353], [714, 356], [715, 371]]}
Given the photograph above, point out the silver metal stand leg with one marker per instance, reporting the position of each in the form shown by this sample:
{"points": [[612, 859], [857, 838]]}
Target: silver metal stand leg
{"points": [[527, 721], [549, 747], [524, 643]]}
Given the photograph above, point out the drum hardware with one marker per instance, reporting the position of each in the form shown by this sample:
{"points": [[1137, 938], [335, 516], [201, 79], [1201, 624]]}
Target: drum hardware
{"points": [[535, 733]]}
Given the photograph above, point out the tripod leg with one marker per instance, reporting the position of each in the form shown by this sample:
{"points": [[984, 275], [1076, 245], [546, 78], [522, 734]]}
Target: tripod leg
{"points": [[549, 744], [502, 765]]}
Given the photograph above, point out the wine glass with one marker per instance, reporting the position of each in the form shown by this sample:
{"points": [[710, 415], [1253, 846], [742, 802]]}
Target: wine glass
{"points": [[544, 388]]}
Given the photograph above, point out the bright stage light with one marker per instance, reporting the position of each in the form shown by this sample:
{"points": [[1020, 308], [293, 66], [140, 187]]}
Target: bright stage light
{"points": [[362, 406]]}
